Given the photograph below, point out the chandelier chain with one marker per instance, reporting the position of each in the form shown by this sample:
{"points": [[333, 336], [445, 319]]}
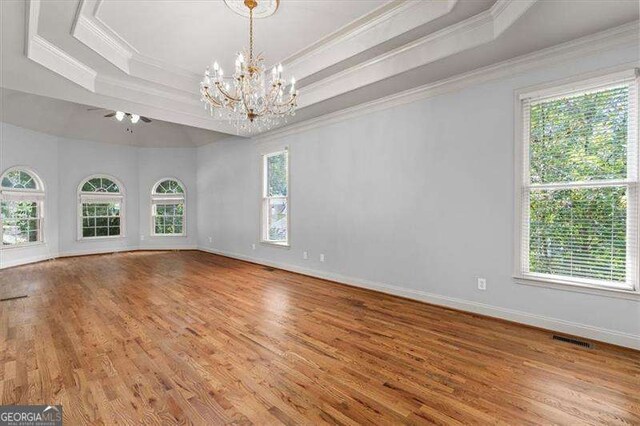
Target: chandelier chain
{"points": [[250, 35]]}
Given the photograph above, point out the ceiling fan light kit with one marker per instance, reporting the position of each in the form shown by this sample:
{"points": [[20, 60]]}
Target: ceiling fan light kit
{"points": [[246, 99]]}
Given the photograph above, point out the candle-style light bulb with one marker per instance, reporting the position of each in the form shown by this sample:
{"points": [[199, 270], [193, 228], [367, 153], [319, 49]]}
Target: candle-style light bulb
{"points": [[216, 67], [293, 85]]}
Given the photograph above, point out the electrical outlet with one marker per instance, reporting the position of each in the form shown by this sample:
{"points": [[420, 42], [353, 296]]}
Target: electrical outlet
{"points": [[141, 237], [305, 255], [210, 240], [482, 284], [253, 246], [322, 258]]}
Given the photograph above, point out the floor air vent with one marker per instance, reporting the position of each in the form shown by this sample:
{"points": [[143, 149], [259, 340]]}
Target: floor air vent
{"points": [[270, 269], [13, 298], [573, 341]]}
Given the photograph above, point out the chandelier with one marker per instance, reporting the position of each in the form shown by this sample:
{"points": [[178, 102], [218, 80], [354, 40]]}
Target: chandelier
{"points": [[246, 99]]}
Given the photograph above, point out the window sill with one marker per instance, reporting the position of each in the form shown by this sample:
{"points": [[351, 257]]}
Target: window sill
{"points": [[619, 293], [276, 244], [23, 245], [167, 235], [108, 237]]}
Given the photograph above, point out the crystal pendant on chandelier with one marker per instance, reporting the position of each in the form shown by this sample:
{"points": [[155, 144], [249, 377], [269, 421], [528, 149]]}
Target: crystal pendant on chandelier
{"points": [[246, 99]]}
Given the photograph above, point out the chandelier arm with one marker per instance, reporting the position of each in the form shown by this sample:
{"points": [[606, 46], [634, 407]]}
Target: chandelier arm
{"points": [[225, 94], [288, 102], [211, 98]]}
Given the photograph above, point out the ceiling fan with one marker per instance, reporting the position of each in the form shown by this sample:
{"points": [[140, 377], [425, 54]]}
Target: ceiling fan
{"points": [[121, 115], [134, 118]]}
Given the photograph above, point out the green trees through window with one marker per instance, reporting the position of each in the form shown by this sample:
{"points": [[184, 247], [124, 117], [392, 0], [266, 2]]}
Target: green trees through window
{"points": [[579, 187], [21, 207], [168, 208], [101, 205], [275, 209]]}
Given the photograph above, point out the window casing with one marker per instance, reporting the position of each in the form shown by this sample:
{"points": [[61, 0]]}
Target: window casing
{"points": [[577, 184], [101, 205], [168, 208], [275, 198], [22, 208]]}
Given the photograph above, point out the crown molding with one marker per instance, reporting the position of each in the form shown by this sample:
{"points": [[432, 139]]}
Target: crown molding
{"points": [[161, 102], [32, 10], [623, 35], [86, 31], [472, 32], [375, 28], [379, 26], [46, 54], [90, 30]]}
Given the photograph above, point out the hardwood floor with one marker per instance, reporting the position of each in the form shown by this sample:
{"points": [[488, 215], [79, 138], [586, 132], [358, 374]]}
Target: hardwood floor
{"points": [[189, 337]]}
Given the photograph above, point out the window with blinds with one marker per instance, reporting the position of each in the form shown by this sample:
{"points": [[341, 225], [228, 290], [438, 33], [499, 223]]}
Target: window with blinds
{"points": [[579, 188]]}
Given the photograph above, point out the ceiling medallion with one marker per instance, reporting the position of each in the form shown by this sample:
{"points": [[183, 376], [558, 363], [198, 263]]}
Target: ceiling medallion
{"points": [[246, 99], [262, 9]]}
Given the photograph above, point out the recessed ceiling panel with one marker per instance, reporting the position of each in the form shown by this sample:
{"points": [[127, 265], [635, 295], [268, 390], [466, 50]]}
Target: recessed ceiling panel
{"points": [[189, 34]]}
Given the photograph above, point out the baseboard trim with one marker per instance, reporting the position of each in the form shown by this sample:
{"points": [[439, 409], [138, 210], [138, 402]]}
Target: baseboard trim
{"points": [[27, 261], [548, 323], [78, 253]]}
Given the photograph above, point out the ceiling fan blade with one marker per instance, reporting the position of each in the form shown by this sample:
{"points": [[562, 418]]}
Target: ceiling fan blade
{"points": [[111, 114], [145, 119], [94, 109]]}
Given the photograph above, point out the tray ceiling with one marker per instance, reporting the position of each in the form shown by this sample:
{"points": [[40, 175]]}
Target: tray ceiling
{"points": [[148, 57], [189, 34]]}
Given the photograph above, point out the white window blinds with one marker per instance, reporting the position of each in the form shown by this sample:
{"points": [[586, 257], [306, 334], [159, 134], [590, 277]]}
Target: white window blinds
{"points": [[580, 183]]}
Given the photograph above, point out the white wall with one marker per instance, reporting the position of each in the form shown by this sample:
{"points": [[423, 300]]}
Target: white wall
{"points": [[80, 159], [63, 163], [416, 200]]}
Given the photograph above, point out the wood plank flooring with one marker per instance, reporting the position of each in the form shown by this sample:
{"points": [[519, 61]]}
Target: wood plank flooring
{"points": [[193, 338]]}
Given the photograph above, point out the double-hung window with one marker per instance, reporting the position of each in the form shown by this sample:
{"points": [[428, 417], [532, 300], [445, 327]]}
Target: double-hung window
{"points": [[21, 201], [275, 198], [168, 208], [579, 184], [100, 208]]}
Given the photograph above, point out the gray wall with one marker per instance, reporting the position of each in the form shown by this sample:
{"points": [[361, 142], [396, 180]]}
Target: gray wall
{"points": [[415, 200], [63, 163]]}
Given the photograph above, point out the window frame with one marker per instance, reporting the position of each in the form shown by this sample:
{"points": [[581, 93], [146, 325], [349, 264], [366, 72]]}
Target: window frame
{"points": [[169, 197], [108, 197], [39, 195], [264, 199], [561, 88]]}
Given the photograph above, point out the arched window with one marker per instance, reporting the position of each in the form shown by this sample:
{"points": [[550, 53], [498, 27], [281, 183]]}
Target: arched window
{"points": [[22, 201], [100, 208], [168, 208]]}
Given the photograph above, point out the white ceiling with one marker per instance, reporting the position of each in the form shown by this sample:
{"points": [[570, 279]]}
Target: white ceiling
{"points": [[202, 30], [76, 121], [147, 57]]}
